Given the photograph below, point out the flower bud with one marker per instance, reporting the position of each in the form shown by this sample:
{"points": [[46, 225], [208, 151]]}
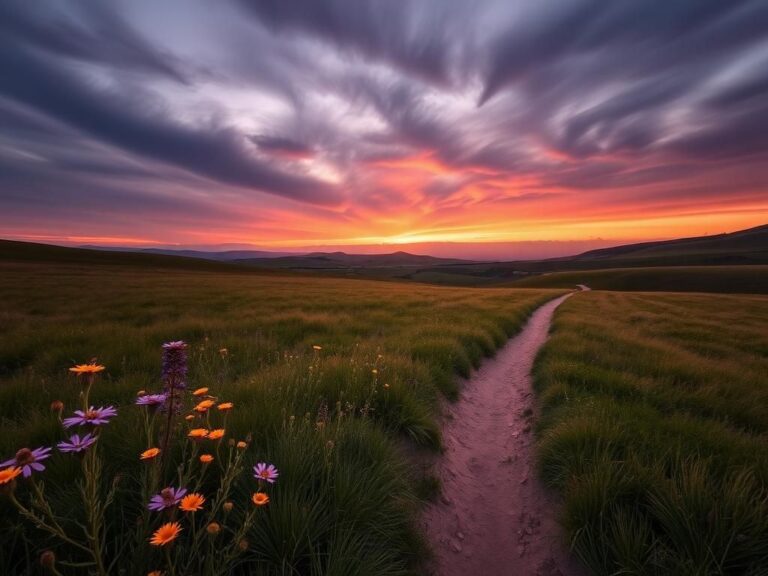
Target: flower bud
{"points": [[242, 445], [243, 545], [57, 406], [213, 528], [48, 560], [227, 506]]}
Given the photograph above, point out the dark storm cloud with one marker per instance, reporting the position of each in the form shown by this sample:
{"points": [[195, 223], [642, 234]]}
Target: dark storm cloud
{"points": [[214, 152], [414, 36]]}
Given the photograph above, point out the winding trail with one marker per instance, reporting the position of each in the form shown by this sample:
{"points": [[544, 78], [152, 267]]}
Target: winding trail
{"points": [[494, 518]]}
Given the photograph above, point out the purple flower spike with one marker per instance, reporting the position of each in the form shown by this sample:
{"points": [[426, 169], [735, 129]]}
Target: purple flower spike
{"points": [[93, 416], [28, 460], [267, 472], [152, 400], [77, 444], [175, 364], [167, 498]]}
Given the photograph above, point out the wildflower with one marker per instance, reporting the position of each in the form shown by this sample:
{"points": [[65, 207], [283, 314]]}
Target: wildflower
{"points": [[149, 454], [189, 417], [223, 352], [217, 434], [57, 406], [192, 502], [151, 400], [77, 444], [156, 573], [204, 405], [260, 499], [28, 460], [91, 368], [264, 471], [197, 433], [206, 458], [374, 371], [227, 506], [213, 528], [316, 347], [386, 386], [166, 534], [225, 406], [167, 498], [175, 364], [243, 545], [9, 474], [92, 416], [200, 392], [242, 445], [48, 560], [141, 393]]}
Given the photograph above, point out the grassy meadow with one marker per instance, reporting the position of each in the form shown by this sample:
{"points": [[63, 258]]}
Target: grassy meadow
{"points": [[334, 420], [655, 428]]}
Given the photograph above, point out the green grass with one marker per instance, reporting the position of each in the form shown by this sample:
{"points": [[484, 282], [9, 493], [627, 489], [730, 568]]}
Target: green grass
{"points": [[721, 279], [655, 429], [346, 499]]}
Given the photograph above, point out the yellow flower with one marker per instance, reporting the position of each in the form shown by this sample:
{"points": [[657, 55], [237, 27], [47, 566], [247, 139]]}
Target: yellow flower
{"points": [[260, 499], [149, 454], [166, 534], [200, 392], [216, 434], [204, 405], [198, 433], [192, 502], [9, 474], [224, 406], [92, 368], [206, 458]]}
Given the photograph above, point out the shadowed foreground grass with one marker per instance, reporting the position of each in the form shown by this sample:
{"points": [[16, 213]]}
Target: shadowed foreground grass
{"points": [[655, 428], [330, 419]]}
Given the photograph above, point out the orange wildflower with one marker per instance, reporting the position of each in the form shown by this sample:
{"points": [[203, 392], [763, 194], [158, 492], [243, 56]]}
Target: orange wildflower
{"points": [[204, 405], [260, 499], [189, 417], [166, 534], [206, 458], [198, 433], [192, 502], [242, 445], [224, 406], [9, 474], [149, 454], [216, 434], [92, 368], [200, 392]]}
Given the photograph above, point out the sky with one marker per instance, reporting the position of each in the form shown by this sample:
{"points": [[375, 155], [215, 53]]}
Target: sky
{"points": [[476, 127]]}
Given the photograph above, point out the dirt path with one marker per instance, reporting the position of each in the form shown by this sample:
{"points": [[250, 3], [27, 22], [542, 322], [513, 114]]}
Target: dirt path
{"points": [[494, 518]]}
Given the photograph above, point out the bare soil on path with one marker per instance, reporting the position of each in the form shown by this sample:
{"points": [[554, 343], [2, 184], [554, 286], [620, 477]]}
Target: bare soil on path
{"points": [[494, 518]]}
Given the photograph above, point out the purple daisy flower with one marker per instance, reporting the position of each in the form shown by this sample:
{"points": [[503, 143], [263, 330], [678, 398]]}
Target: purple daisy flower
{"points": [[28, 460], [167, 498], [77, 444], [264, 471], [151, 400], [92, 416]]}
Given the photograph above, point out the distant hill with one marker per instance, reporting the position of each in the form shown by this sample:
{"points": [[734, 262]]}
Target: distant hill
{"points": [[344, 261], [224, 255]]}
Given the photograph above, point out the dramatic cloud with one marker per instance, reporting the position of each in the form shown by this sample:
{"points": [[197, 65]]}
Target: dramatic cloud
{"points": [[373, 121]]}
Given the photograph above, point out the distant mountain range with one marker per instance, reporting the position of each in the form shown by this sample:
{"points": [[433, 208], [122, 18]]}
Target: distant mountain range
{"points": [[736, 248], [222, 256]]}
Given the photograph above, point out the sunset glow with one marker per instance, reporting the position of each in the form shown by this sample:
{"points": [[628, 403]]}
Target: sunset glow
{"points": [[375, 124]]}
